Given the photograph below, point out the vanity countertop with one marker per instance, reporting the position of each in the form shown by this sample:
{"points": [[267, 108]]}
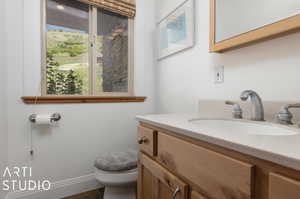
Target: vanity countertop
{"points": [[283, 150]]}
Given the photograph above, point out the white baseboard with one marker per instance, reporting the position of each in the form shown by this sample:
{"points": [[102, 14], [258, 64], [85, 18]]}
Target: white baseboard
{"points": [[60, 189]]}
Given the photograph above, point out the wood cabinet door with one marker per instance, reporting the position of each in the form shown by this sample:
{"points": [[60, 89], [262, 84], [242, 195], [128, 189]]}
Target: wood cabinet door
{"points": [[155, 182], [146, 183], [281, 187], [218, 175], [196, 195]]}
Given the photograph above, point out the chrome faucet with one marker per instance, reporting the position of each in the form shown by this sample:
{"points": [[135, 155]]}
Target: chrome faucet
{"points": [[237, 112], [257, 105], [285, 116]]}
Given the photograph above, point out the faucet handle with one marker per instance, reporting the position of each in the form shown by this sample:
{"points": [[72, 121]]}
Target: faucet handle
{"points": [[237, 112], [285, 116], [292, 105]]}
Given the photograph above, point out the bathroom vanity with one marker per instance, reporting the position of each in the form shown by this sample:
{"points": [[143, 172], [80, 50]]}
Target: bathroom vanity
{"points": [[182, 160]]}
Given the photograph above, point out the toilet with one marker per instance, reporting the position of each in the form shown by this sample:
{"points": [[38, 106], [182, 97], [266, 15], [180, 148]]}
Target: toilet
{"points": [[118, 173]]}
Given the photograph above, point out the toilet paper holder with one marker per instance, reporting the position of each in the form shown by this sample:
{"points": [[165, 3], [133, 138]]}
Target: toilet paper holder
{"points": [[55, 117]]}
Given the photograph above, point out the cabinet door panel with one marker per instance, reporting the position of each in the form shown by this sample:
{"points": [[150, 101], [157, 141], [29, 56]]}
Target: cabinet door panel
{"points": [[195, 195], [166, 184], [216, 174], [164, 191], [146, 183], [283, 188]]}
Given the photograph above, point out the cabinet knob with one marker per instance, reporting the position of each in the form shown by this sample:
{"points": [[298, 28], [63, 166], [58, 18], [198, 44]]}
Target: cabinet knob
{"points": [[142, 140], [177, 191]]}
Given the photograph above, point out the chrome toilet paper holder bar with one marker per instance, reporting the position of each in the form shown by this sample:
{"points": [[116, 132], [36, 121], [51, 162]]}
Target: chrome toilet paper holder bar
{"points": [[55, 117]]}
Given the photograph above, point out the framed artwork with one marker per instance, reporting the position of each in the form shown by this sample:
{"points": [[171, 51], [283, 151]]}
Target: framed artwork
{"points": [[176, 32]]}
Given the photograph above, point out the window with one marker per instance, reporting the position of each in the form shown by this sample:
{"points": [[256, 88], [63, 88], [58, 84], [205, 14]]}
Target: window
{"points": [[87, 50]]}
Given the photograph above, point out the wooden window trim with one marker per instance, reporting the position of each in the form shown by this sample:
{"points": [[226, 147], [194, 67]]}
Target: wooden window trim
{"points": [[80, 99]]}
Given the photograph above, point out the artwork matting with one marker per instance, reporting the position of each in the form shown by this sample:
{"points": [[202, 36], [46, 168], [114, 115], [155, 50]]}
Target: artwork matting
{"points": [[176, 32]]}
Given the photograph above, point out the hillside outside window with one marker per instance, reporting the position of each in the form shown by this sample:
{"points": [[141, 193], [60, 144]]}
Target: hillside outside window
{"points": [[87, 50]]}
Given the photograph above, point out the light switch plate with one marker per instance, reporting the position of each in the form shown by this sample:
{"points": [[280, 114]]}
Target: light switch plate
{"points": [[219, 74]]}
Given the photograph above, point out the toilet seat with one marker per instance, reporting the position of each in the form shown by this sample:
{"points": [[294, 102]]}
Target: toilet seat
{"points": [[120, 178], [117, 161], [118, 173]]}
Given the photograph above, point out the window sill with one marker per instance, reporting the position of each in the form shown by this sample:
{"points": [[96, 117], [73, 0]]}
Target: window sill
{"points": [[80, 99]]}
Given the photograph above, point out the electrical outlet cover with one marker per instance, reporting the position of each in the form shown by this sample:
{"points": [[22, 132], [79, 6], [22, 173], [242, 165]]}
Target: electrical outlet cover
{"points": [[219, 74]]}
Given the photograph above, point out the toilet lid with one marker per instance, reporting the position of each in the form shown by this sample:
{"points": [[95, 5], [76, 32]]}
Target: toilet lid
{"points": [[120, 161]]}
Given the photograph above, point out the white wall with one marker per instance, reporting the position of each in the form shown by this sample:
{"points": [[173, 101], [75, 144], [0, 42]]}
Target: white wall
{"points": [[86, 130], [271, 68], [3, 116]]}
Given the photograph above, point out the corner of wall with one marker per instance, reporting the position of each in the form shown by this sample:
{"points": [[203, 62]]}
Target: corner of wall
{"points": [[3, 100]]}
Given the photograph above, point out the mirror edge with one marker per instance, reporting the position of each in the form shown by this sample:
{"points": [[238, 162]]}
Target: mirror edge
{"points": [[271, 31]]}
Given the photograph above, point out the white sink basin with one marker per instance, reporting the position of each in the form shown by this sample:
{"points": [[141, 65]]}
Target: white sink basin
{"points": [[244, 127]]}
